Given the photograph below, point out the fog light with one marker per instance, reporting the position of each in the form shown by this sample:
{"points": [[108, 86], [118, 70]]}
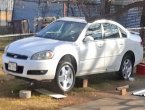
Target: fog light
{"points": [[37, 72]]}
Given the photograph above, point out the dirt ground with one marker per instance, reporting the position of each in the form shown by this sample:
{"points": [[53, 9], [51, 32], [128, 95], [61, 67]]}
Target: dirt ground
{"points": [[100, 86]]}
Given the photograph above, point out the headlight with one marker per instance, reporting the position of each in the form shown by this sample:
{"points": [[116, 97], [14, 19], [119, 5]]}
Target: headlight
{"points": [[6, 48], [44, 55]]}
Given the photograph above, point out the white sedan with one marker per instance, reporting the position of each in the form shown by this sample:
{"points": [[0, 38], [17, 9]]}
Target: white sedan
{"points": [[71, 47]]}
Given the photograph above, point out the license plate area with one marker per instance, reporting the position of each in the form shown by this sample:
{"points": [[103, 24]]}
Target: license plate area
{"points": [[12, 66]]}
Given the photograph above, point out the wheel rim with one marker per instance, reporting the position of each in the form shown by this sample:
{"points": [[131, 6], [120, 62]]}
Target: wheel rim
{"points": [[66, 78], [127, 68]]}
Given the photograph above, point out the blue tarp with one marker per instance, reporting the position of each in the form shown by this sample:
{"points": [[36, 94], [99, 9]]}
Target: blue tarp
{"points": [[31, 10]]}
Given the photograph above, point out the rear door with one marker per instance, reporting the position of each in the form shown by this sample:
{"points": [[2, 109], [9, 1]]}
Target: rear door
{"points": [[114, 45]]}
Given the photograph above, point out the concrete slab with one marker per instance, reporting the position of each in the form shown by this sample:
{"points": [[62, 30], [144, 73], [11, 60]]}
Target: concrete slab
{"points": [[114, 103], [51, 94], [57, 96]]}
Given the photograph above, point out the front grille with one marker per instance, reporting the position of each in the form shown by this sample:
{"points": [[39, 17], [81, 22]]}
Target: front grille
{"points": [[19, 69], [17, 56]]}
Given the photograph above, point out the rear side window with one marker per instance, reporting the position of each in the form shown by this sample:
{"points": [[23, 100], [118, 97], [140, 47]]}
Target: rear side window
{"points": [[110, 31]]}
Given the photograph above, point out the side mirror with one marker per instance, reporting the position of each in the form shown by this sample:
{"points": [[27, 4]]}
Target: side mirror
{"points": [[88, 38]]}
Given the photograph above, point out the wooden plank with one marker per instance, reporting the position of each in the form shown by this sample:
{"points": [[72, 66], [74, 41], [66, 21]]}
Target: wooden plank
{"points": [[122, 87]]}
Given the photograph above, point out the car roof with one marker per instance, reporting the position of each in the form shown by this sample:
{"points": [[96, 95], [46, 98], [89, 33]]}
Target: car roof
{"points": [[82, 20], [74, 19]]}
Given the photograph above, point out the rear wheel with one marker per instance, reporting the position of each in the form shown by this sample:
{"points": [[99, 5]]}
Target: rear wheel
{"points": [[126, 68], [65, 76]]}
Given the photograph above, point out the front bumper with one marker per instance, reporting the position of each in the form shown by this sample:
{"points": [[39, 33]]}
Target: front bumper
{"points": [[28, 65]]}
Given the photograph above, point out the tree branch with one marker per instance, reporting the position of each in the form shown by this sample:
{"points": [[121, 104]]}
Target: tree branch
{"points": [[118, 13]]}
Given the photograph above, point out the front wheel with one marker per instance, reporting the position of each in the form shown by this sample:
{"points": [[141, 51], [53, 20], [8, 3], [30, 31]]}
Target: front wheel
{"points": [[65, 76], [126, 67]]}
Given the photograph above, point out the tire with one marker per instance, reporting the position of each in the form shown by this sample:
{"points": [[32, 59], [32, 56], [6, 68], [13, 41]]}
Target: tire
{"points": [[126, 68], [65, 76]]}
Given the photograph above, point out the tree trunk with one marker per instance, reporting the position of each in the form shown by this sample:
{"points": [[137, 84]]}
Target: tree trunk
{"points": [[105, 7], [102, 12], [142, 22]]}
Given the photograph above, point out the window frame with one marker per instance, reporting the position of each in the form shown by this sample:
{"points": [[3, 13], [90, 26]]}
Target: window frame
{"points": [[120, 31]]}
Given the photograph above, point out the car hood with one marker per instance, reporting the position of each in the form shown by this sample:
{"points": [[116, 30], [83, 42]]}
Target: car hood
{"points": [[29, 46]]}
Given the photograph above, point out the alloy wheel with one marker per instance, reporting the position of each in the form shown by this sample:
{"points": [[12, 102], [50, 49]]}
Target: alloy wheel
{"points": [[66, 77], [127, 68]]}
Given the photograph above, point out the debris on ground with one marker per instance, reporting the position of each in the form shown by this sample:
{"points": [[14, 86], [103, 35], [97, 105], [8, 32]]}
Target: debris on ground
{"points": [[139, 93], [25, 94]]}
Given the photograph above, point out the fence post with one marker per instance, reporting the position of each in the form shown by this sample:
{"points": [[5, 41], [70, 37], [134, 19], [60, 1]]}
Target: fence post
{"points": [[65, 8], [6, 16]]}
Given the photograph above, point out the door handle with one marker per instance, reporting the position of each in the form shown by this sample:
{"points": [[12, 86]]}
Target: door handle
{"points": [[100, 45]]}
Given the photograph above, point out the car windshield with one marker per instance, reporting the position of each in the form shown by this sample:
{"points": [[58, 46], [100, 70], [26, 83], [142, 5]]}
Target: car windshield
{"points": [[62, 30]]}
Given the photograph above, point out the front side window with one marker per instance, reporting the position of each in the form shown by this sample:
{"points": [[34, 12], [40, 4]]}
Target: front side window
{"points": [[62, 30], [95, 31], [110, 31]]}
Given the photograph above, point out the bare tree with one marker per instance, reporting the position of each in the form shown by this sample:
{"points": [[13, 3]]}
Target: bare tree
{"points": [[91, 8], [142, 21], [105, 7]]}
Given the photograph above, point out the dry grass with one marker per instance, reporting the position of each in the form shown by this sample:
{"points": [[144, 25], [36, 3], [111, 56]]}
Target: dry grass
{"points": [[9, 99], [35, 103], [10, 87]]}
